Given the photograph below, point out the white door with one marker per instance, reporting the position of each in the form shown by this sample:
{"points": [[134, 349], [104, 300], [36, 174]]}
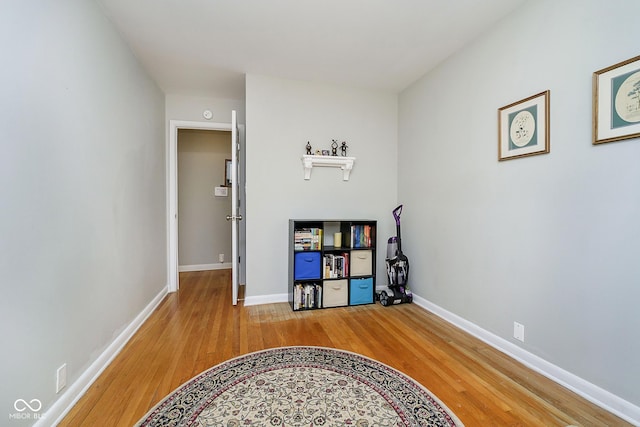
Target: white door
{"points": [[235, 216]]}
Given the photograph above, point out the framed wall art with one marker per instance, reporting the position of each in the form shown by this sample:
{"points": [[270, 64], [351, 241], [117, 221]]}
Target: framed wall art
{"points": [[523, 127], [616, 102], [228, 181]]}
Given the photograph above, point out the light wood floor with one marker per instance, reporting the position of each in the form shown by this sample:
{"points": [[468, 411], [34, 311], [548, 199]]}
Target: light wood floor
{"points": [[197, 328]]}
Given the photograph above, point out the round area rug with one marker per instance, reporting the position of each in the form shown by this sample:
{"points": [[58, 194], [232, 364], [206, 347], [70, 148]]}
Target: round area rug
{"points": [[301, 386]]}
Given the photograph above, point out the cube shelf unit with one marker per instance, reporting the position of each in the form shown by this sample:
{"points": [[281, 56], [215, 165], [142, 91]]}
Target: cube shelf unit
{"points": [[323, 274]]}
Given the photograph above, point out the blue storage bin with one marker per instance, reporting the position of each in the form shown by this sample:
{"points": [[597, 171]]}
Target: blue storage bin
{"points": [[361, 291], [307, 265]]}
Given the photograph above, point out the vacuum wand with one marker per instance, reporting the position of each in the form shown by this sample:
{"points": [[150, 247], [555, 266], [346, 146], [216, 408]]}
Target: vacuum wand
{"points": [[396, 215]]}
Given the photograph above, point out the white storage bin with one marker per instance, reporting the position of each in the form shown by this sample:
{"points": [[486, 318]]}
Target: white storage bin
{"points": [[361, 263], [335, 293]]}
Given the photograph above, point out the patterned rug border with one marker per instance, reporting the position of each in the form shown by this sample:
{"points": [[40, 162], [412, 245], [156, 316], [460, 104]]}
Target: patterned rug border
{"points": [[229, 363]]}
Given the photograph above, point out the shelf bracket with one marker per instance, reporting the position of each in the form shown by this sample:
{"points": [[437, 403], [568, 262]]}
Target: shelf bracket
{"points": [[344, 163]]}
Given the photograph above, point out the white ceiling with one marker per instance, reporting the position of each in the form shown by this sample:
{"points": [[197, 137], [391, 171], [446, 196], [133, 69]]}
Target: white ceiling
{"points": [[205, 47]]}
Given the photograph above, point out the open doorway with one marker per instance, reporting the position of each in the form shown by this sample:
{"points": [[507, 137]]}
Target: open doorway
{"points": [[172, 197], [204, 200]]}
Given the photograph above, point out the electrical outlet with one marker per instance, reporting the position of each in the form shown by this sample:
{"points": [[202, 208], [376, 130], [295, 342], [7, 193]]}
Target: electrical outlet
{"points": [[221, 257], [518, 331], [61, 378]]}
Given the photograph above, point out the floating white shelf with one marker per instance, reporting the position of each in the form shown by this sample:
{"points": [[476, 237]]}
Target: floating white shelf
{"points": [[344, 163]]}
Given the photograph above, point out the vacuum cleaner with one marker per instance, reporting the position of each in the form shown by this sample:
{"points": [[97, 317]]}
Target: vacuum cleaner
{"points": [[397, 269]]}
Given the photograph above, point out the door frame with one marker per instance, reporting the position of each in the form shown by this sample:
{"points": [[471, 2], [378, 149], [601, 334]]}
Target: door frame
{"points": [[173, 282]]}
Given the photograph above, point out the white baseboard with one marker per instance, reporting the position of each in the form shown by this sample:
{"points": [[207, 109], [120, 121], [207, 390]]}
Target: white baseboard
{"points": [[78, 388], [266, 299], [205, 267], [604, 399]]}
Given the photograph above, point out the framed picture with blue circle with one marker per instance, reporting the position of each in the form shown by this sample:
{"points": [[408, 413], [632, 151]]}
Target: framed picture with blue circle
{"points": [[616, 102], [523, 127]]}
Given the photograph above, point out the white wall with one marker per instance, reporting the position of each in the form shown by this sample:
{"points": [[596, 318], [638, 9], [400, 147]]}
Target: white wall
{"points": [[550, 241], [187, 107], [203, 230], [283, 116], [83, 201]]}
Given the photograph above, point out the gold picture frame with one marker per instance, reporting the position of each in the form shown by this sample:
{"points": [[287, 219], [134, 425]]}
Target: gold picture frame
{"points": [[616, 102], [523, 127]]}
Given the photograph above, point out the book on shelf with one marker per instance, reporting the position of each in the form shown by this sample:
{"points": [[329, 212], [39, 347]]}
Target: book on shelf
{"points": [[361, 236], [307, 295], [308, 239], [336, 266]]}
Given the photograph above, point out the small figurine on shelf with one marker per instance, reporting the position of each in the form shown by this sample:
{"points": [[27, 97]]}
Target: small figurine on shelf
{"points": [[308, 148], [344, 147], [334, 147]]}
